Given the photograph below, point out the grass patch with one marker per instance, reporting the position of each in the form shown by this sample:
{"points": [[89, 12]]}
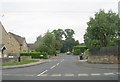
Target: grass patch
{"points": [[20, 63]]}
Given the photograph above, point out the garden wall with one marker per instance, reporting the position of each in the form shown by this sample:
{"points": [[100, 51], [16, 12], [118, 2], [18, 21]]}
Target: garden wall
{"points": [[105, 55], [22, 58], [9, 60]]}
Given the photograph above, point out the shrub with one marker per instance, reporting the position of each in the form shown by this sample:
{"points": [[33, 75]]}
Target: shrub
{"points": [[77, 50], [86, 54], [35, 54]]}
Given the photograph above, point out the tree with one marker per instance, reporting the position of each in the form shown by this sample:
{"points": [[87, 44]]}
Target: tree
{"points": [[47, 44], [53, 41], [102, 30], [69, 33], [59, 36], [69, 41]]}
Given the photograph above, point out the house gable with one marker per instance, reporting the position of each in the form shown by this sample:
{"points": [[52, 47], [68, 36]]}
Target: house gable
{"points": [[21, 41]]}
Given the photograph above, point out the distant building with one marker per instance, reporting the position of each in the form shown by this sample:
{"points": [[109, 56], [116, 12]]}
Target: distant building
{"points": [[31, 47]]}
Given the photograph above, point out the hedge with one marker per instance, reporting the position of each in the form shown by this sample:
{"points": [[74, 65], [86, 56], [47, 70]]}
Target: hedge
{"points": [[35, 54], [77, 50]]}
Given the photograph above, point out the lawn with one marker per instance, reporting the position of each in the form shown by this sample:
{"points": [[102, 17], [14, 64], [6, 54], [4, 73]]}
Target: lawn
{"points": [[20, 63]]}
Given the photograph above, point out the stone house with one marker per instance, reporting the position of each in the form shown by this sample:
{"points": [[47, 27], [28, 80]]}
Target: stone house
{"points": [[12, 42], [3, 40], [23, 47], [31, 47]]}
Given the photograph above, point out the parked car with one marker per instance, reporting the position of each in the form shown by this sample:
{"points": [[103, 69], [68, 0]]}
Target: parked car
{"points": [[68, 53]]}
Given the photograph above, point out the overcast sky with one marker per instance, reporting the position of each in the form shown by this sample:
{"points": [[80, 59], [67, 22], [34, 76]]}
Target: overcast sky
{"points": [[31, 18]]}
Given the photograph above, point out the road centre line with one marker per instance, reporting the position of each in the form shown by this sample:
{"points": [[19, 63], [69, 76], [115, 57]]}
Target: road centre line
{"points": [[53, 67], [62, 60], [57, 64], [50, 68], [42, 73]]}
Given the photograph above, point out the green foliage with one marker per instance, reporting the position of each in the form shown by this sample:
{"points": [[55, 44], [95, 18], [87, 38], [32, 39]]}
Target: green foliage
{"points": [[69, 33], [86, 54], [68, 45], [78, 50], [35, 54], [53, 41], [69, 41], [102, 30], [47, 43], [59, 36]]}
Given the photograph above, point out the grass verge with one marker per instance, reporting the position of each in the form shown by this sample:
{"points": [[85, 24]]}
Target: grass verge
{"points": [[20, 63]]}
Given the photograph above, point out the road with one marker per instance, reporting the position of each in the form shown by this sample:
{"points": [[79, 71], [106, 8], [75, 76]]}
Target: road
{"points": [[63, 67]]}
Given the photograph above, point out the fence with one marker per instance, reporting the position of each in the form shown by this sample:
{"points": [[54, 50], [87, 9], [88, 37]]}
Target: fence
{"points": [[112, 50], [105, 55]]}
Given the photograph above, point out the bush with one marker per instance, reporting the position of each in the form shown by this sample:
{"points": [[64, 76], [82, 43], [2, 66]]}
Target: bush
{"points": [[77, 50], [86, 54], [35, 54]]}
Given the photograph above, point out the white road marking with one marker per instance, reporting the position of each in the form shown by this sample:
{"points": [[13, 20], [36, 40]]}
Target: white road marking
{"points": [[57, 64], [28, 75], [62, 60], [69, 75], [53, 67], [18, 74], [42, 73], [54, 75], [118, 73], [95, 74], [109, 74], [82, 74]]}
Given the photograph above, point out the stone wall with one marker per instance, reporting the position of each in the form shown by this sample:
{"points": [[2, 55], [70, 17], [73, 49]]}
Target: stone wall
{"points": [[15, 59], [9, 60], [105, 55], [22, 58], [106, 59]]}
